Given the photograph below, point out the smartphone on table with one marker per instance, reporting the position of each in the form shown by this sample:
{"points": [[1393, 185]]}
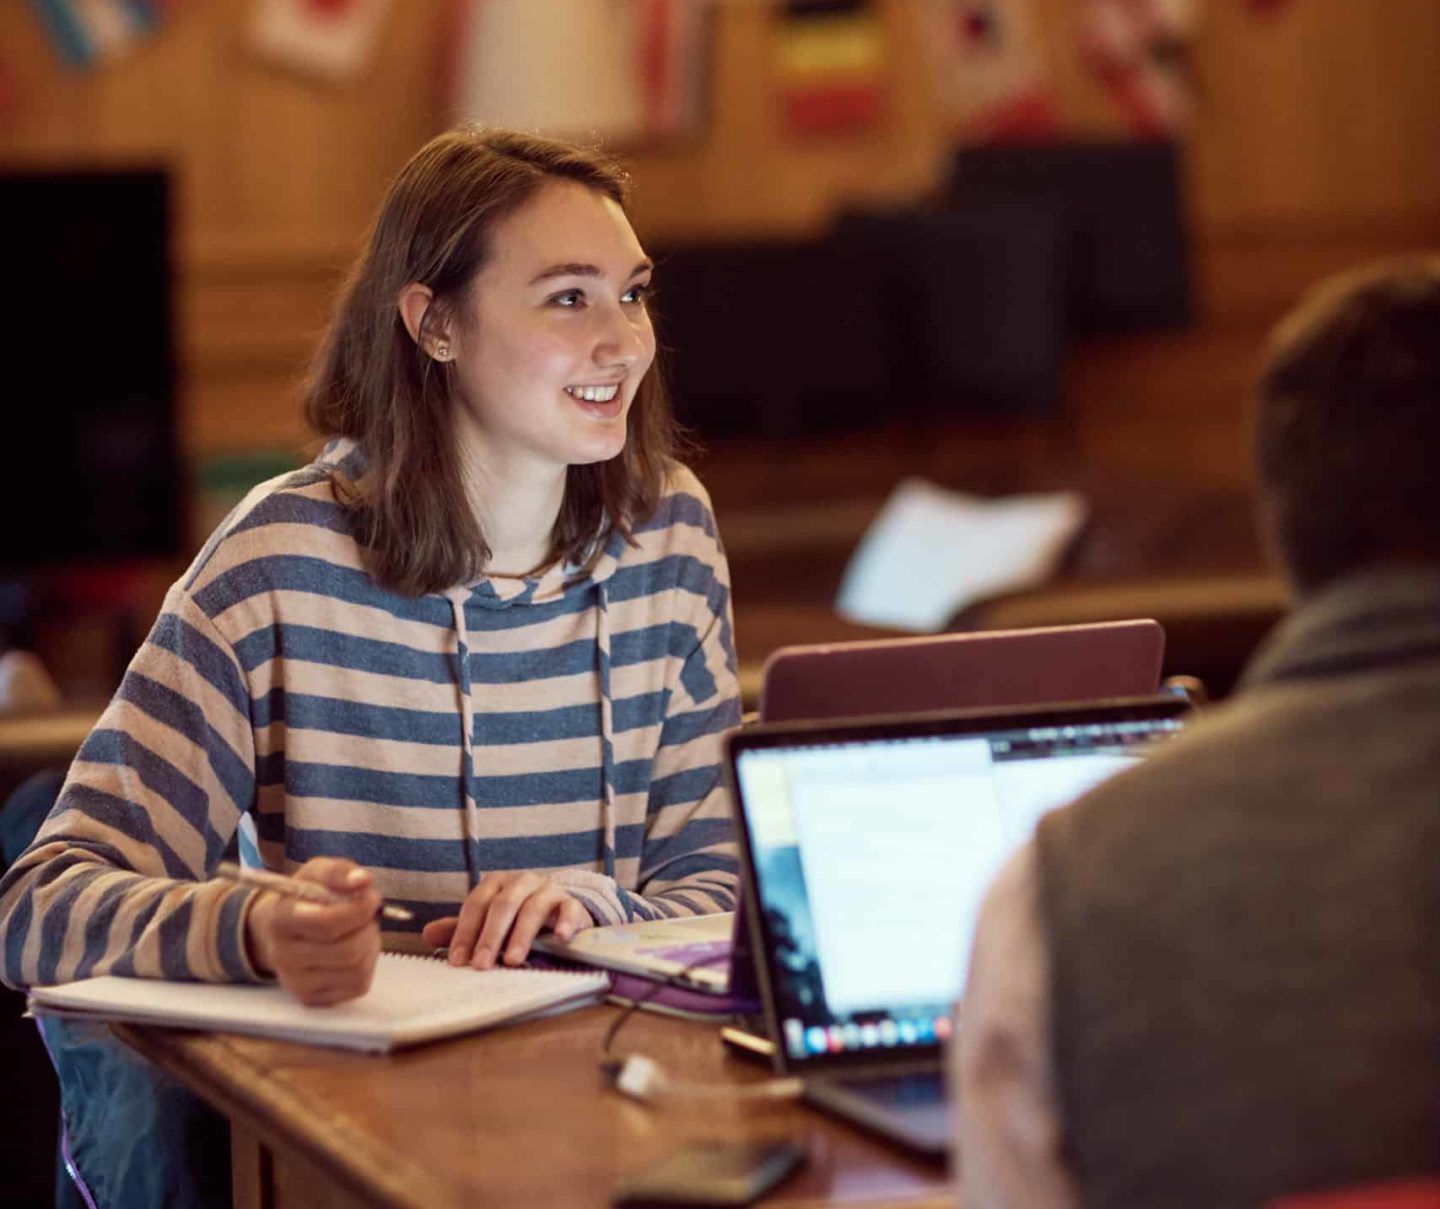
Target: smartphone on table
{"points": [[715, 1173]]}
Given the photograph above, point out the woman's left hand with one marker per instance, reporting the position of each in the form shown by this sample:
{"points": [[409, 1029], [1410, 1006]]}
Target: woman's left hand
{"points": [[502, 916]]}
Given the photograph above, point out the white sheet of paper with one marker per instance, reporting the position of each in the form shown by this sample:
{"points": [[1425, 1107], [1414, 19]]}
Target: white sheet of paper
{"points": [[931, 552]]}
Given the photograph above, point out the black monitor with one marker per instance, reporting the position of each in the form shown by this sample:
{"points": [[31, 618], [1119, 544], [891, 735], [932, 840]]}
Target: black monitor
{"points": [[896, 317], [1121, 216], [92, 473], [771, 336]]}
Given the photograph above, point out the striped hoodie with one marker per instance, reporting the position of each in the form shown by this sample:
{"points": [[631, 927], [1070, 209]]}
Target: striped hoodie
{"points": [[286, 703]]}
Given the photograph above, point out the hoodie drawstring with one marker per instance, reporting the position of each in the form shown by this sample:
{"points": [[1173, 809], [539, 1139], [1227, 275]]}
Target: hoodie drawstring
{"points": [[607, 731], [486, 597], [467, 753]]}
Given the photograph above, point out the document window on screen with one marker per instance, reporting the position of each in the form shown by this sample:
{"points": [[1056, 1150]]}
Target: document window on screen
{"points": [[875, 857]]}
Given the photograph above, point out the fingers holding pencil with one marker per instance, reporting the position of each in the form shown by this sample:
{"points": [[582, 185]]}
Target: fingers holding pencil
{"points": [[344, 878], [321, 943]]}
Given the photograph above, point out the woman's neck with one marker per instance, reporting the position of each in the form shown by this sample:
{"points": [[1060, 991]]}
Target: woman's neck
{"points": [[516, 512]]}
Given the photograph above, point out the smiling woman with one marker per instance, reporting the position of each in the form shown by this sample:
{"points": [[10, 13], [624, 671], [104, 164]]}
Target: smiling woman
{"points": [[475, 659]]}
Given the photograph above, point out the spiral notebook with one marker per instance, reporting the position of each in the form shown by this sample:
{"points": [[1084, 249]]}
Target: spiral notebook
{"points": [[412, 999]]}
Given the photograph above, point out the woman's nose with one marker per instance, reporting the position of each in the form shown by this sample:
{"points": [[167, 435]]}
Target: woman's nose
{"points": [[626, 340]]}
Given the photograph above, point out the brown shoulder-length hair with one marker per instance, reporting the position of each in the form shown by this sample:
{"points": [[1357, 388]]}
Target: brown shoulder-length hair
{"points": [[373, 383]]}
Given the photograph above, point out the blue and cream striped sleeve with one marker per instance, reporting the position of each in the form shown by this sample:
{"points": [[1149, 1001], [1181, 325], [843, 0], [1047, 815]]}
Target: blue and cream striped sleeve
{"points": [[112, 883], [688, 859], [690, 862]]}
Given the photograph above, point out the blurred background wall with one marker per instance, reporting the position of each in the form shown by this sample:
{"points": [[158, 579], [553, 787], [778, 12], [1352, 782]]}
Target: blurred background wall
{"points": [[1313, 143], [1310, 146]]}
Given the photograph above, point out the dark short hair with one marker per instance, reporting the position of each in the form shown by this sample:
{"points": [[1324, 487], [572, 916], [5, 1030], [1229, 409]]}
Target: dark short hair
{"points": [[1347, 431], [373, 383]]}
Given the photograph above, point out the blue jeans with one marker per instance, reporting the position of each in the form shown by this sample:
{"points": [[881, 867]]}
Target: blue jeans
{"points": [[133, 1137]]}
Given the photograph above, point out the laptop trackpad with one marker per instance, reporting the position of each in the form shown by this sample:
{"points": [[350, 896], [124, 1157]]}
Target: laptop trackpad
{"points": [[909, 1108]]}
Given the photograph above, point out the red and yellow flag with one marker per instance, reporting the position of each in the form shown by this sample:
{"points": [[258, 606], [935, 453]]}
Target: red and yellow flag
{"points": [[829, 58]]}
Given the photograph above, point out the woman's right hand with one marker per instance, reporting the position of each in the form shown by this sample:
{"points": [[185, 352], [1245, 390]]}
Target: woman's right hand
{"points": [[322, 953]]}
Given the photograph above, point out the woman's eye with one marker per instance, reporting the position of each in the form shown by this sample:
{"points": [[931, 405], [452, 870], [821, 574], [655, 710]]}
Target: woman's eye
{"points": [[568, 298], [636, 293]]}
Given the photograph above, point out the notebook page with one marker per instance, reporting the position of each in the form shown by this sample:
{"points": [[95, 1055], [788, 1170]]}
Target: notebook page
{"points": [[411, 999]]}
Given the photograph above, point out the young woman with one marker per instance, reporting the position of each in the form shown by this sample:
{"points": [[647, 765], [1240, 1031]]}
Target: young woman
{"points": [[475, 660]]}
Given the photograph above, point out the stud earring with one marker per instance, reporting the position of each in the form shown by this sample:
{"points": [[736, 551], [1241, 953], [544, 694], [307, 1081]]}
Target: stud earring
{"points": [[442, 351]]}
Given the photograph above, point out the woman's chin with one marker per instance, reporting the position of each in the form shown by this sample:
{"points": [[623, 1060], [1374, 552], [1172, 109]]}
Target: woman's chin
{"points": [[600, 446]]}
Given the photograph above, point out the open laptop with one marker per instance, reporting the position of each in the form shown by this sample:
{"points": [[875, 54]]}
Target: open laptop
{"points": [[868, 847], [985, 669]]}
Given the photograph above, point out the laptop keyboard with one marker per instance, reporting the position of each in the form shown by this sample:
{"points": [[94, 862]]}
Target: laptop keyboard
{"points": [[899, 1091]]}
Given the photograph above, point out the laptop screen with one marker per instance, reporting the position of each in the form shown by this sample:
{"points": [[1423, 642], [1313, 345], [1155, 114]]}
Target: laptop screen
{"points": [[871, 847]]}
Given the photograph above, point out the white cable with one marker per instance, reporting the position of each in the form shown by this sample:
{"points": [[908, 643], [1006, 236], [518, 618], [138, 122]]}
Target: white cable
{"points": [[644, 1079]]}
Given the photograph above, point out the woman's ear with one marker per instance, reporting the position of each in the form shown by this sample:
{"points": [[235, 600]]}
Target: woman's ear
{"points": [[415, 303]]}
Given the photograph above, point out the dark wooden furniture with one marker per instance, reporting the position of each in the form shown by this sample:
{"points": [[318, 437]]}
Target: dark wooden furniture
{"points": [[518, 1116], [1188, 556]]}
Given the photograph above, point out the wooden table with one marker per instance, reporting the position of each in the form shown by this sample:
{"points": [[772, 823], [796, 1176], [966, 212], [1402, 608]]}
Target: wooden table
{"points": [[517, 1116]]}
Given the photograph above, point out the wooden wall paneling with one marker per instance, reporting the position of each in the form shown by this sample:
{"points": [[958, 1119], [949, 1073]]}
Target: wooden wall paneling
{"points": [[1084, 101], [1325, 111], [244, 409], [250, 337], [749, 174], [1171, 406], [310, 159], [1248, 274], [1314, 147]]}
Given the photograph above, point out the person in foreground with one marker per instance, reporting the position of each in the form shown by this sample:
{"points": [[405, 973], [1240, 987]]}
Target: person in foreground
{"points": [[476, 659], [1212, 982]]}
